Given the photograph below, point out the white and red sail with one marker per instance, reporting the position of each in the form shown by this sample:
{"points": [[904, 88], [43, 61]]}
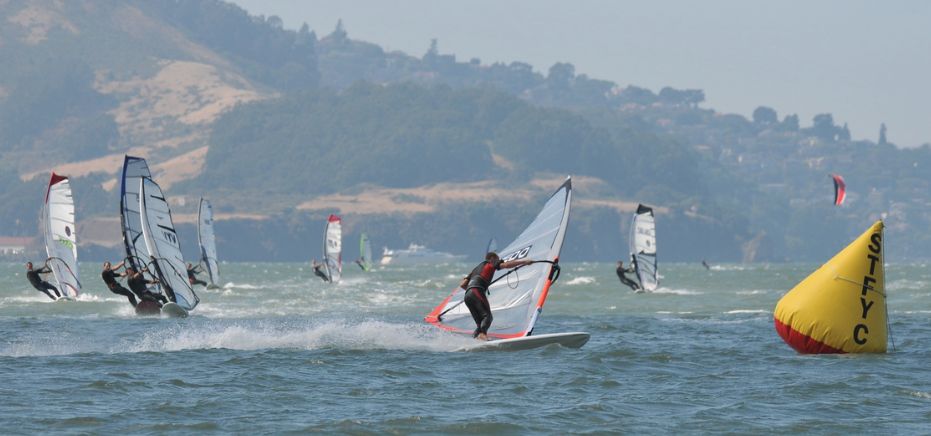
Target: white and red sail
{"points": [[840, 189]]}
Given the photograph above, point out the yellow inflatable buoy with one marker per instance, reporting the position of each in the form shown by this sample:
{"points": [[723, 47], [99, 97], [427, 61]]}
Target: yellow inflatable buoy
{"points": [[841, 307]]}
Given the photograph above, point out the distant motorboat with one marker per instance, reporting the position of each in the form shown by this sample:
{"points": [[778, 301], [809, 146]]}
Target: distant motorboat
{"points": [[417, 254]]}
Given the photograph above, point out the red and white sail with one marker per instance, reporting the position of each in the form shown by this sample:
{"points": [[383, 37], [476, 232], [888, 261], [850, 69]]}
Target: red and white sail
{"points": [[840, 189], [517, 300]]}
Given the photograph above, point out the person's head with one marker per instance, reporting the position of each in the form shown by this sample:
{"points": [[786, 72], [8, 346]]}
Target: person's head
{"points": [[189, 266], [491, 256], [106, 266], [620, 263], [28, 266], [130, 270]]}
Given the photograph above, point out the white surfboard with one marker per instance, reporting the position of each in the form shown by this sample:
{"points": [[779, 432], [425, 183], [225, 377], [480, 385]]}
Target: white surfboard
{"points": [[568, 340], [174, 310]]}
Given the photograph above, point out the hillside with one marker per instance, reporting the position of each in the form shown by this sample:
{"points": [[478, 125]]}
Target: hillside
{"points": [[280, 127]]}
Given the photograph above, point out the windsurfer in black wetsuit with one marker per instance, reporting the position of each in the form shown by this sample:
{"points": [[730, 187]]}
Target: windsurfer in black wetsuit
{"points": [[476, 296], [109, 276], [318, 271], [705, 264], [361, 265], [192, 275], [138, 284], [621, 274], [41, 285]]}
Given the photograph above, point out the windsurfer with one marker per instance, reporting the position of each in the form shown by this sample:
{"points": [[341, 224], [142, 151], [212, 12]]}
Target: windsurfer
{"points": [[109, 276], [361, 265], [318, 271], [705, 264], [137, 283], [192, 275], [41, 285], [476, 285], [621, 274]]}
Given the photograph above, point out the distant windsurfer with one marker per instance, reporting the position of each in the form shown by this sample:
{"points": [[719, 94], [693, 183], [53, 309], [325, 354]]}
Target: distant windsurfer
{"points": [[109, 275], [139, 285], [41, 285], [476, 285], [705, 264], [360, 263], [192, 275], [622, 274], [318, 270]]}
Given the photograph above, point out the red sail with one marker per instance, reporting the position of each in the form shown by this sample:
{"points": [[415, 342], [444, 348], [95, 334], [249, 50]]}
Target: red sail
{"points": [[840, 189]]}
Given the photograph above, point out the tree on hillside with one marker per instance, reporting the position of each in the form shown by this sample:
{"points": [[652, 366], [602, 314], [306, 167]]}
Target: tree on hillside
{"points": [[882, 134], [765, 115], [823, 127]]}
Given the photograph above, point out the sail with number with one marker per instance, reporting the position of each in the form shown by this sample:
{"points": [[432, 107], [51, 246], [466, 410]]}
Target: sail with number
{"points": [[517, 300], [643, 247], [163, 244], [60, 235], [365, 252], [207, 240], [333, 248], [134, 170]]}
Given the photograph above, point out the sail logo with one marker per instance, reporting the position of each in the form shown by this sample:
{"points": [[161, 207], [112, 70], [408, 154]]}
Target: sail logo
{"points": [[66, 243], [861, 331], [519, 254]]}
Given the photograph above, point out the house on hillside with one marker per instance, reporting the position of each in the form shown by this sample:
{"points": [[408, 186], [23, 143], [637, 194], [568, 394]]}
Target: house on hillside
{"points": [[13, 245]]}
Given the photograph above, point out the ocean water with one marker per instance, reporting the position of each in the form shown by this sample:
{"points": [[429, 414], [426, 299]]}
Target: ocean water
{"points": [[277, 350]]}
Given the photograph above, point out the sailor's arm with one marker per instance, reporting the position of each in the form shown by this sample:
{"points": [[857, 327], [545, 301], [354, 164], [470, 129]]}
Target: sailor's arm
{"points": [[514, 263]]}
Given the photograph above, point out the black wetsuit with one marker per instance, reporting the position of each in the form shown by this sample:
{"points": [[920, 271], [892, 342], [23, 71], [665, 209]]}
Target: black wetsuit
{"points": [[321, 274], [476, 296], [138, 286], [109, 278], [361, 265], [193, 278], [42, 285], [620, 274]]}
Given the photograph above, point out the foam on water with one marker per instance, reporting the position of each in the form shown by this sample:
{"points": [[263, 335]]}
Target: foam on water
{"points": [[583, 280]]}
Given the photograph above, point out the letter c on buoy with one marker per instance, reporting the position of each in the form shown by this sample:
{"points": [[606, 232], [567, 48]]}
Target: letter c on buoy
{"points": [[856, 333]]}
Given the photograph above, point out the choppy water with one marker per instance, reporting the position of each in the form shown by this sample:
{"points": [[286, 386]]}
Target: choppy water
{"points": [[276, 350]]}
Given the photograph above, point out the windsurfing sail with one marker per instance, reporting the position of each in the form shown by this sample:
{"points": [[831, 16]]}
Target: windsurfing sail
{"points": [[60, 235], [207, 240], [643, 247], [840, 189], [492, 246], [333, 248], [517, 300], [841, 307], [365, 252], [134, 170], [163, 244]]}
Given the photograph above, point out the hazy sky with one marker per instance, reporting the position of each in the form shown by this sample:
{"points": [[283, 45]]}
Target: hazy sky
{"points": [[865, 62]]}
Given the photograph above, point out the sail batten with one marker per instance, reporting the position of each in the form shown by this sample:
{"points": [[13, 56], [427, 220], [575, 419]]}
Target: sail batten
{"points": [[517, 300]]}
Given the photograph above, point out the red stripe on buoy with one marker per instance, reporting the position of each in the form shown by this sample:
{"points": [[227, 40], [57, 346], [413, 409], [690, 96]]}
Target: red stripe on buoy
{"points": [[803, 343]]}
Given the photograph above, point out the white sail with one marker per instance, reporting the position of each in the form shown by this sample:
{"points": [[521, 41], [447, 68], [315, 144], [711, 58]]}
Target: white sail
{"points": [[517, 300], [643, 247], [60, 235], [333, 248], [208, 242], [134, 170], [163, 244]]}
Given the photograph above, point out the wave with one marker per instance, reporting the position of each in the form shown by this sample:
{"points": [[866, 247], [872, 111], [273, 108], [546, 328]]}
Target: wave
{"points": [[736, 311], [675, 291], [583, 280], [363, 335]]}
